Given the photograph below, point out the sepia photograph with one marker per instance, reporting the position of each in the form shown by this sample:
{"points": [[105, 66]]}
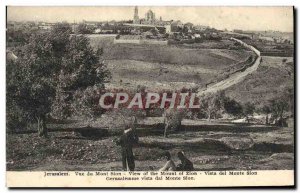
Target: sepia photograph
{"points": [[154, 95]]}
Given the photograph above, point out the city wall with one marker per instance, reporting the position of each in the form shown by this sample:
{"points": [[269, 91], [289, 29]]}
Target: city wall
{"points": [[139, 41], [257, 52]]}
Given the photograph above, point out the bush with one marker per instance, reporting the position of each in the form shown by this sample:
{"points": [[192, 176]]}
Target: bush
{"points": [[85, 103], [118, 118], [15, 119], [172, 120]]}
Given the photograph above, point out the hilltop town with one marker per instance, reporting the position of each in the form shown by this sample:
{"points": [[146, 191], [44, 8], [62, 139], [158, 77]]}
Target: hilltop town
{"points": [[154, 30]]}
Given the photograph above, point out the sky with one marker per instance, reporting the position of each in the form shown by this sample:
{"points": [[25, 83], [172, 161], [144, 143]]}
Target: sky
{"points": [[245, 18]]}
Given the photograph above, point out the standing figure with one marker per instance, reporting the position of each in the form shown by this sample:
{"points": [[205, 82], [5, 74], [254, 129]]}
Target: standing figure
{"points": [[127, 140]]}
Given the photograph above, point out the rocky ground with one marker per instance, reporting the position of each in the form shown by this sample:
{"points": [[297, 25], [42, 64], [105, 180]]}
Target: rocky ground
{"points": [[219, 149]]}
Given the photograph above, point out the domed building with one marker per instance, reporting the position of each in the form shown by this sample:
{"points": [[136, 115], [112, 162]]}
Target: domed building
{"points": [[148, 20], [150, 17]]}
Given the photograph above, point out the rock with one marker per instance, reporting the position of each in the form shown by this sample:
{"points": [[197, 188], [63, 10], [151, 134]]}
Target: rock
{"points": [[237, 143], [278, 161], [282, 156]]}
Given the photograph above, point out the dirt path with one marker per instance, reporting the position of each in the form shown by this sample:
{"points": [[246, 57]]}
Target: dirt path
{"points": [[236, 77]]}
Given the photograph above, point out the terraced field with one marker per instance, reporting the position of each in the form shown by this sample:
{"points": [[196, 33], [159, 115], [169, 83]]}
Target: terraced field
{"points": [[165, 67], [205, 58]]}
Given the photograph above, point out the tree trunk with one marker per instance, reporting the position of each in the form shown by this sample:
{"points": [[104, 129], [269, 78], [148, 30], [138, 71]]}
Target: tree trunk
{"points": [[281, 121], [42, 129], [247, 119], [267, 119], [147, 110], [166, 130], [178, 126], [165, 124], [281, 117], [209, 116]]}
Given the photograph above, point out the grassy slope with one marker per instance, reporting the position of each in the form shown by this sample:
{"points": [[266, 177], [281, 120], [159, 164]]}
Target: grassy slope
{"points": [[129, 70], [170, 66], [98, 41], [264, 84], [206, 58]]}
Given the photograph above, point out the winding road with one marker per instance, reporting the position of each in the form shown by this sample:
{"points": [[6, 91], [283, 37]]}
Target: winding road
{"points": [[236, 77]]}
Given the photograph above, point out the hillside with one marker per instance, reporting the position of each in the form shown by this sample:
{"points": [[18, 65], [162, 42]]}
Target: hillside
{"points": [[167, 67], [262, 85]]}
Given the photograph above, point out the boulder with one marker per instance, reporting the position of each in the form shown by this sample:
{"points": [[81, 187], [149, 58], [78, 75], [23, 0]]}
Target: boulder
{"points": [[237, 143]]}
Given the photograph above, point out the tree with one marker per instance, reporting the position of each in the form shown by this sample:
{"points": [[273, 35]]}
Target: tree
{"points": [[81, 78], [267, 110], [49, 66], [248, 110], [288, 93], [212, 104], [281, 104], [31, 84], [19, 36], [59, 39], [84, 29], [278, 107], [172, 119], [232, 107]]}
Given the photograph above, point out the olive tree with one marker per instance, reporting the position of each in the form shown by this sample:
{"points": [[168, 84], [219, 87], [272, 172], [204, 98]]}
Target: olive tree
{"points": [[172, 119], [49, 66], [212, 104], [31, 84]]}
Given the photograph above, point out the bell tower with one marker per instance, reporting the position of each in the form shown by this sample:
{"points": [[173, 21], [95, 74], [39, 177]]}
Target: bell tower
{"points": [[136, 18]]}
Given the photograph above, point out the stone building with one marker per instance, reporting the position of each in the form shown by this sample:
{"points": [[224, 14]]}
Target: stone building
{"points": [[136, 19], [148, 20], [150, 17]]}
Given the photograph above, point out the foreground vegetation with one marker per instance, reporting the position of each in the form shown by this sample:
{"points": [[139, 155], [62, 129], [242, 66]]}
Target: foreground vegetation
{"points": [[217, 149], [53, 70]]}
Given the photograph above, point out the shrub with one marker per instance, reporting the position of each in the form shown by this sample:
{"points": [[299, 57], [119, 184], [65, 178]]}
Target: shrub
{"points": [[172, 120], [119, 118], [16, 119], [85, 103]]}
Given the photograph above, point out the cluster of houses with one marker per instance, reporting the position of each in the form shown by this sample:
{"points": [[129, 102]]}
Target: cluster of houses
{"points": [[16, 25], [263, 36], [151, 27], [148, 27]]}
